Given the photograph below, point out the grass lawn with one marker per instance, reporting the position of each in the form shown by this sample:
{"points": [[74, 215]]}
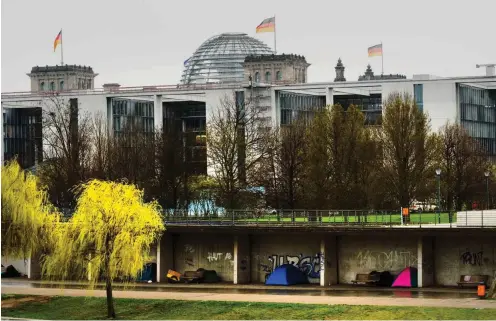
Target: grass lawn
{"points": [[57, 308]]}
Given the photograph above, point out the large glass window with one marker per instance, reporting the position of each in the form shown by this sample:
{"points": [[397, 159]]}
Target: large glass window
{"points": [[418, 95], [61, 85], [370, 106], [52, 86], [478, 115], [278, 75], [42, 86], [296, 106]]}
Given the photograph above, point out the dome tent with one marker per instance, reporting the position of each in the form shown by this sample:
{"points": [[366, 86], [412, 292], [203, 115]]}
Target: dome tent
{"points": [[286, 274]]}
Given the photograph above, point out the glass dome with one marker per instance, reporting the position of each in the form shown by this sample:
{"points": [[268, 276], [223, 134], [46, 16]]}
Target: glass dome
{"points": [[220, 59]]}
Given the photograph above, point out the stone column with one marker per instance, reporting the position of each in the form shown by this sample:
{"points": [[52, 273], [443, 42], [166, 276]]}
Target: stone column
{"points": [[329, 96], [328, 261], [425, 261], [242, 272], [165, 257], [158, 113]]}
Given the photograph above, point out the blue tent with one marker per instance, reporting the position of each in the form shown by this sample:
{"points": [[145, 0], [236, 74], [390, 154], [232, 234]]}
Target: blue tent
{"points": [[286, 274]]}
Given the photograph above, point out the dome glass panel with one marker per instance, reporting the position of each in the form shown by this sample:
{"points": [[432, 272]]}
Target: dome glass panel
{"points": [[220, 59]]}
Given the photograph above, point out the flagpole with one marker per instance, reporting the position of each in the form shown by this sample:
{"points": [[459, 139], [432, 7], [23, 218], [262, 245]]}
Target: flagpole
{"points": [[275, 43], [61, 48], [382, 58]]}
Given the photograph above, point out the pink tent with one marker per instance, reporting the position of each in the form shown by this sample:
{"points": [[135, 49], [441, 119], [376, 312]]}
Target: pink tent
{"points": [[406, 279]]}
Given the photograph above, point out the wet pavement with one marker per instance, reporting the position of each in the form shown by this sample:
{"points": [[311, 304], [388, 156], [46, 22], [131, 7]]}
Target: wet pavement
{"points": [[304, 290]]}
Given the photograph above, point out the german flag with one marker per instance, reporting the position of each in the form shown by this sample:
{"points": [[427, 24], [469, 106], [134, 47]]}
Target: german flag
{"points": [[57, 40], [268, 25], [375, 50]]}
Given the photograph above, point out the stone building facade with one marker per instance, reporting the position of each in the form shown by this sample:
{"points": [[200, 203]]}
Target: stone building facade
{"points": [[369, 75], [276, 69], [61, 78]]}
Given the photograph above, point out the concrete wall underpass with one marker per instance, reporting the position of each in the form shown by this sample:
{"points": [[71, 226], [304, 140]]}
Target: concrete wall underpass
{"points": [[327, 259], [207, 251]]}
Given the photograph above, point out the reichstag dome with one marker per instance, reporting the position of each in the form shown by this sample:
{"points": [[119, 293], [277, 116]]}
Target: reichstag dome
{"points": [[220, 59]]}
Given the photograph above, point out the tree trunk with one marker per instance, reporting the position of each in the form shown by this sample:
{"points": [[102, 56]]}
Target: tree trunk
{"points": [[110, 300]]}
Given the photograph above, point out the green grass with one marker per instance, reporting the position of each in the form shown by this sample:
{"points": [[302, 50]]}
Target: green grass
{"points": [[131, 309]]}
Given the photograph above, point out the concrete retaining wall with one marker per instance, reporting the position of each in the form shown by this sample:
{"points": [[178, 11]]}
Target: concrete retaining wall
{"points": [[270, 251], [363, 254], [455, 256], [207, 251]]}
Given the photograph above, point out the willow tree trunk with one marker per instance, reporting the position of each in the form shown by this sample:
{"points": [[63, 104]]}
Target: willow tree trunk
{"points": [[110, 299]]}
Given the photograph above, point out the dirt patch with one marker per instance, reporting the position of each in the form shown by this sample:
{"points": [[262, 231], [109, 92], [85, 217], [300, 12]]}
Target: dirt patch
{"points": [[15, 302]]}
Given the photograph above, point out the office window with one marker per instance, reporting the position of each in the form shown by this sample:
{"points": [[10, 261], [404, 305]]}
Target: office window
{"points": [[418, 94]]}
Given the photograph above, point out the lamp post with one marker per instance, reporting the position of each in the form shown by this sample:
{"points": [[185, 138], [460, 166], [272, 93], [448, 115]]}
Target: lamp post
{"points": [[486, 173], [438, 175]]}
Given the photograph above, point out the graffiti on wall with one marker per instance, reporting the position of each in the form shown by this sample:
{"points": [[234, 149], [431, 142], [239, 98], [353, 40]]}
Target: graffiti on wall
{"points": [[220, 258], [472, 258], [389, 260], [188, 259], [310, 265]]}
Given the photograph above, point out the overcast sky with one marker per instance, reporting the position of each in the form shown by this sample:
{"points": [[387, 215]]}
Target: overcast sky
{"points": [[145, 42]]}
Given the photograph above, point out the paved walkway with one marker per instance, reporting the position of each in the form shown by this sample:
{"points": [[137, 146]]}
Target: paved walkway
{"points": [[303, 299]]}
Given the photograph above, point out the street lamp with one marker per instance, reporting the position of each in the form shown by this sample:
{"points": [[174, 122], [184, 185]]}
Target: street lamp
{"points": [[438, 175], [486, 173]]}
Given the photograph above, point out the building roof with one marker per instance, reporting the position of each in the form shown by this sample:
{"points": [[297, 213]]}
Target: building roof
{"points": [[282, 57], [62, 68]]}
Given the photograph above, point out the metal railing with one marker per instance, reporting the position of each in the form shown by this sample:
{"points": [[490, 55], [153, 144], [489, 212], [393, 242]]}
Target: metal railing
{"points": [[370, 218], [329, 218]]}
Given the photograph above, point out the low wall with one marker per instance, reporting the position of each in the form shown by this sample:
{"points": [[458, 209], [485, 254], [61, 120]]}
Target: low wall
{"points": [[476, 218]]}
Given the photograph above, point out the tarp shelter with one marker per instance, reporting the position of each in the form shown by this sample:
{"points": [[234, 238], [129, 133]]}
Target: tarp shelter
{"points": [[286, 274], [149, 273], [406, 279], [210, 276]]}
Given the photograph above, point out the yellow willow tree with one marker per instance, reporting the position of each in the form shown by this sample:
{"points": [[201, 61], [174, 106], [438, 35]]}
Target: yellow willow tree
{"points": [[108, 237], [27, 216]]}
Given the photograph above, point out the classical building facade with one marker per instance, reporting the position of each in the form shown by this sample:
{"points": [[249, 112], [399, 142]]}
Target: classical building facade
{"points": [[276, 69], [61, 78]]}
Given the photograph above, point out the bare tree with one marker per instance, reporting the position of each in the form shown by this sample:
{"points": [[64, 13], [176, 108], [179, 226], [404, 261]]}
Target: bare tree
{"points": [[170, 187], [238, 139], [100, 143], [66, 147]]}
